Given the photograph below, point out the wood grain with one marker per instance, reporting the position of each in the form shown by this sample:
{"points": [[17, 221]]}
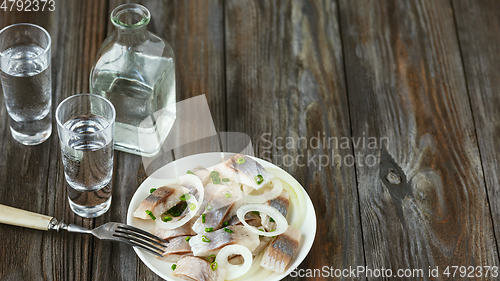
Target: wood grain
{"points": [[478, 24], [285, 78], [31, 178], [405, 83]]}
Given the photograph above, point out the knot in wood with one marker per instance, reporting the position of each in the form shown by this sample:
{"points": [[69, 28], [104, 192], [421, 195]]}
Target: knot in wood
{"points": [[393, 177]]}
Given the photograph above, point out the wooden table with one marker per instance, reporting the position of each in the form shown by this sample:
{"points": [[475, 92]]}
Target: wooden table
{"points": [[422, 78]]}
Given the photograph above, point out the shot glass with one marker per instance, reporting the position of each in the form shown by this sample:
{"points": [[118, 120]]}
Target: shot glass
{"points": [[26, 81], [85, 124]]}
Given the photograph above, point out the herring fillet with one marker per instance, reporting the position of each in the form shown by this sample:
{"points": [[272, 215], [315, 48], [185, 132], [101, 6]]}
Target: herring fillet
{"points": [[280, 203], [177, 248], [158, 202], [223, 206], [194, 268], [213, 219], [211, 192], [202, 173], [280, 252], [243, 173], [166, 234], [251, 218], [220, 238]]}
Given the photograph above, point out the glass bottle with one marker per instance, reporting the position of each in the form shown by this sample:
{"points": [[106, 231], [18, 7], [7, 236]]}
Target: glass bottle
{"points": [[135, 70]]}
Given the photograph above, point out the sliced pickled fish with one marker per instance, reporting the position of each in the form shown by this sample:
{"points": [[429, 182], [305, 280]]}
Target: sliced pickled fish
{"points": [[194, 268], [213, 219], [185, 230], [158, 202], [244, 170], [220, 208], [251, 218], [202, 173], [280, 252], [281, 204], [211, 242], [176, 248]]}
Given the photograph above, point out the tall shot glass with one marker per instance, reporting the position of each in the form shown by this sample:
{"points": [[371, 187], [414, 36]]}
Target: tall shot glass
{"points": [[86, 124], [26, 81]]}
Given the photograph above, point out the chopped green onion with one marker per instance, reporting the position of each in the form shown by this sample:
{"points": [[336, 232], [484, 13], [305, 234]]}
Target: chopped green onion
{"points": [[174, 211], [256, 212], [225, 180], [213, 266], [210, 258], [228, 230], [225, 223], [183, 207], [214, 174], [271, 219], [241, 160], [272, 230], [273, 236], [189, 172], [174, 266], [258, 179], [185, 197], [216, 180], [205, 239], [228, 195], [203, 218], [209, 229], [192, 206], [152, 190], [167, 218], [261, 229], [150, 214], [187, 239]]}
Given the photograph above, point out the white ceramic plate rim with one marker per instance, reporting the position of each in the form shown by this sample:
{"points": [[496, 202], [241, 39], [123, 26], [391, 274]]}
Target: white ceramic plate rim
{"points": [[179, 167]]}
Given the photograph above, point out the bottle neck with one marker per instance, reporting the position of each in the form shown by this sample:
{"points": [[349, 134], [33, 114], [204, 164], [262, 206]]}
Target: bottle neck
{"points": [[131, 21], [132, 36]]}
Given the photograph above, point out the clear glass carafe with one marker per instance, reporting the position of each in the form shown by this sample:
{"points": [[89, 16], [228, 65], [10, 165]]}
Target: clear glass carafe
{"points": [[135, 70]]}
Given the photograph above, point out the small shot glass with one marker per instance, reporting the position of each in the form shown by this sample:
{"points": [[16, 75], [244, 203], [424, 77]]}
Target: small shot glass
{"points": [[26, 81], [85, 124]]}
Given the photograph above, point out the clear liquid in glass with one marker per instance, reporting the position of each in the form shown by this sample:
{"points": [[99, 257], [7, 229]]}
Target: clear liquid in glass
{"points": [[88, 165], [26, 85]]}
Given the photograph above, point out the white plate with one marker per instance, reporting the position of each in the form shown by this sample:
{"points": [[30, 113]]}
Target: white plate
{"points": [[179, 167]]}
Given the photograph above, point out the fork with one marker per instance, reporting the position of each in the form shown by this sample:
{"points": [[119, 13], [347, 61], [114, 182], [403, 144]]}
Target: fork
{"points": [[110, 231]]}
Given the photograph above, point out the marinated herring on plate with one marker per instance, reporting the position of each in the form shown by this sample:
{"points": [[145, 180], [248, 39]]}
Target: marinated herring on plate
{"points": [[225, 222]]}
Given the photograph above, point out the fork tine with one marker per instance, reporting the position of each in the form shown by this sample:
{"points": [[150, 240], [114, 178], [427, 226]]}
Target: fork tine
{"points": [[138, 243], [145, 238], [143, 232], [155, 252]]}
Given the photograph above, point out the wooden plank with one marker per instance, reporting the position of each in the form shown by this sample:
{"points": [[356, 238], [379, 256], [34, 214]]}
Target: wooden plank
{"points": [[478, 24], [194, 30], [406, 84], [285, 79], [32, 178]]}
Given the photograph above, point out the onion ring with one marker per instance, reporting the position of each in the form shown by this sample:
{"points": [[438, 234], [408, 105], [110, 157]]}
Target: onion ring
{"points": [[235, 271], [281, 222]]}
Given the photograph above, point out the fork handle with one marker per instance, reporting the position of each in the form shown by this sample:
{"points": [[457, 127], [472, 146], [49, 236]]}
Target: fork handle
{"points": [[18, 217]]}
